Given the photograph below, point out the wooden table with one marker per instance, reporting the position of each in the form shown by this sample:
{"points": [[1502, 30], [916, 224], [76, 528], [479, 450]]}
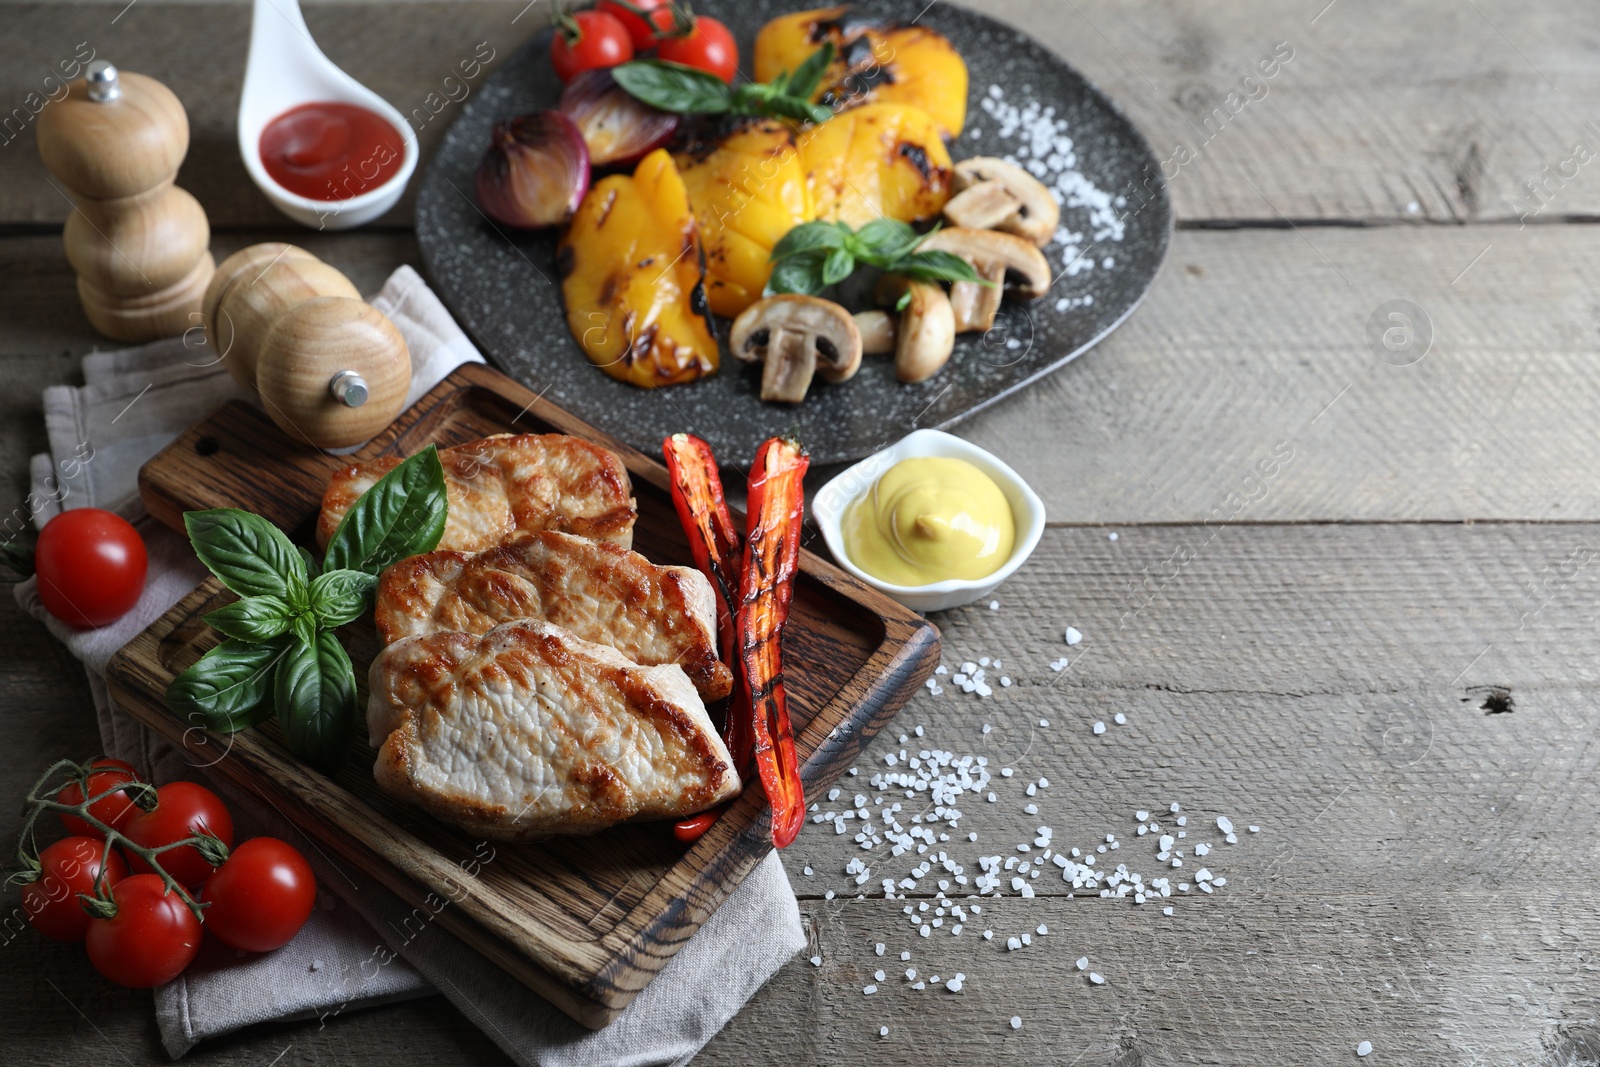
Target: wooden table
{"points": [[1382, 653]]}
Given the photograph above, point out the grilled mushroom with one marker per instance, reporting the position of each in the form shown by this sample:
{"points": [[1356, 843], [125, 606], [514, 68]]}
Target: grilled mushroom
{"points": [[1002, 259], [795, 337], [992, 194], [926, 333], [877, 331]]}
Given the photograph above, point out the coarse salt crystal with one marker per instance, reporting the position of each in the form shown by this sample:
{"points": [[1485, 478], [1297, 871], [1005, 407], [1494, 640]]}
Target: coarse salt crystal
{"points": [[1073, 636], [816, 961], [1016, 1022], [1364, 1049], [883, 1031], [1099, 727], [1096, 979], [869, 990], [1083, 963]]}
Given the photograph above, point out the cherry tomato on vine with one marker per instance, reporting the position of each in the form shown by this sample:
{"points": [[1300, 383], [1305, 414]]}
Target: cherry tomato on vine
{"points": [[588, 40], [149, 941], [261, 897], [656, 18], [91, 566], [708, 46], [182, 810], [67, 868], [115, 810]]}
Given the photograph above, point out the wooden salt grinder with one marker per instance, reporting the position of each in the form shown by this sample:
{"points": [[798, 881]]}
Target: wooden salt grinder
{"points": [[137, 242]]}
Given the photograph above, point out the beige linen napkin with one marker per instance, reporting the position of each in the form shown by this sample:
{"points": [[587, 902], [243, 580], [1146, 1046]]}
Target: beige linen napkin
{"points": [[133, 402]]}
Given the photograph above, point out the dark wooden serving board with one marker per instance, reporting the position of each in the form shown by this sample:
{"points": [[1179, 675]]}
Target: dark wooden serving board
{"points": [[585, 922]]}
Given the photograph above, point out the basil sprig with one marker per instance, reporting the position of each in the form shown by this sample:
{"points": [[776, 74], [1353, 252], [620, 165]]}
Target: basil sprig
{"points": [[815, 255], [686, 90], [281, 654]]}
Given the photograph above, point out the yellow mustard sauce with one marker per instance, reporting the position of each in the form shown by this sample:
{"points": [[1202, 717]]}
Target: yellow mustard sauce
{"points": [[930, 519]]}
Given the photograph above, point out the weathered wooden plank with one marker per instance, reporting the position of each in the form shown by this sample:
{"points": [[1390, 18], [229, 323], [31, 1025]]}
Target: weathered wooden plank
{"points": [[1430, 978], [1254, 346], [411, 54], [40, 316], [1413, 884], [1410, 112], [1251, 347]]}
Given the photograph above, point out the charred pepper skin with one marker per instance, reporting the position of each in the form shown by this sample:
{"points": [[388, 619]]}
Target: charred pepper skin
{"points": [[717, 548], [772, 553]]}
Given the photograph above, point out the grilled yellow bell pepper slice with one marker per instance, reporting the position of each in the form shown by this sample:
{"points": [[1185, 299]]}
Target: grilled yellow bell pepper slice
{"points": [[876, 62], [632, 272], [879, 160]]}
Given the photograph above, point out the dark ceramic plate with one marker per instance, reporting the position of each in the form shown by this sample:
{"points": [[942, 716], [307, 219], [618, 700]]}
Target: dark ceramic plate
{"points": [[501, 285]]}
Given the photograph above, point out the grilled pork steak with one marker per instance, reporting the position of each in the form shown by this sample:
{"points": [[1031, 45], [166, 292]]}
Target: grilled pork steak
{"points": [[508, 484], [599, 592], [526, 731]]}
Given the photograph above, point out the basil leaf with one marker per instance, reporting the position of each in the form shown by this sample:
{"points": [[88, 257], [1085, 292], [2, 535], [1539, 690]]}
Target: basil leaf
{"points": [[250, 555], [796, 107], [338, 597], [806, 236], [937, 266], [886, 240], [255, 618], [803, 82], [799, 273], [403, 515], [304, 627], [839, 265], [227, 689], [311, 562], [673, 86], [316, 699]]}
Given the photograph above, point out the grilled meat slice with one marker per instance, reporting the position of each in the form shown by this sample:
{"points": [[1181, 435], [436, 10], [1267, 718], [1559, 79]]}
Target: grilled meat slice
{"points": [[526, 731], [597, 591], [508, 484]]}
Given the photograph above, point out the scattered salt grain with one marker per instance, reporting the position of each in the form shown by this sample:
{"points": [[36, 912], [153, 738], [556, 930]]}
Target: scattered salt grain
{"points": [[994, 605], [883, 1031], [869, 990], [1224, 824], [1044, 722], [1112, 536], [1016, 1022], [1083, 963], [1120, 719], [878, 948], [1073, 636], [1099, 727], [1254, 829], [816, 961], [1364, 1049], [1096, 979]]}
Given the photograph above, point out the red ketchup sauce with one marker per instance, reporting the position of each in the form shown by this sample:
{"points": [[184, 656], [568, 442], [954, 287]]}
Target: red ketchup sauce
{"points": [[331, 151]]}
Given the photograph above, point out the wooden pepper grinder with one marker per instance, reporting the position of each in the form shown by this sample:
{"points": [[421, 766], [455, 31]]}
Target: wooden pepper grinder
{"points": [[331, 369], [137, 241]]}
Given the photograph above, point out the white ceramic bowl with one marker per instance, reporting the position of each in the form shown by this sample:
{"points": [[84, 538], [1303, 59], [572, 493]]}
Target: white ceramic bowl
{"points": [[832, 500], [287, 69]]}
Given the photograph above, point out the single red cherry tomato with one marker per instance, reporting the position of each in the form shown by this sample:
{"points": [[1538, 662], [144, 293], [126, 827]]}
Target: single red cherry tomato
{"points": [[67, 868], [115, 810], [182, 810], [261, 897], [708, 46], [643, 19], [91, 566], [149, 941], [588, 40]]}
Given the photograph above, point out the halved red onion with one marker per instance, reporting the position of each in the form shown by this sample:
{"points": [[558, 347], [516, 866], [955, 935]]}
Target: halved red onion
{"points": [[618, 128], [535, 171]]}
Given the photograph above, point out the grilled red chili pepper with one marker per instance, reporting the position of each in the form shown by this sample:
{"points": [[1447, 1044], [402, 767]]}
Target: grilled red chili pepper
{"points": [[695, 826], [771, 556], [714, 541]]}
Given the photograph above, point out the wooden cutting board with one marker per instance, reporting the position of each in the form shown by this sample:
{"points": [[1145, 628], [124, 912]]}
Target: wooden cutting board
{"points": [[585, 922]]}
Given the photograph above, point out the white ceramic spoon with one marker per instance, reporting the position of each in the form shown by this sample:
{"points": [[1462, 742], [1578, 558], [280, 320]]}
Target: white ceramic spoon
{"points": [[287, 69]]}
